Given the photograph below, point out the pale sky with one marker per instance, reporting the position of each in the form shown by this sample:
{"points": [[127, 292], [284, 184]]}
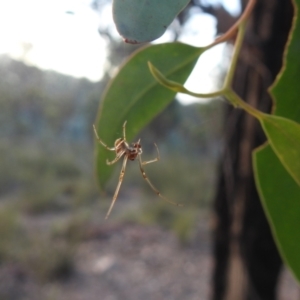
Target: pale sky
{"points": [[62, 35], [67, 43]]}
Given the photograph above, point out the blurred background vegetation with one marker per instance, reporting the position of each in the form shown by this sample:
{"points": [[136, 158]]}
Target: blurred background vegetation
{"points": [[49, 201], [46, 166]]}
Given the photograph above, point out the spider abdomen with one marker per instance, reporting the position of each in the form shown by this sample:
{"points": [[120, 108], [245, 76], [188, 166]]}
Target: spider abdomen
{"points": [[119, 146], [134, 150]]}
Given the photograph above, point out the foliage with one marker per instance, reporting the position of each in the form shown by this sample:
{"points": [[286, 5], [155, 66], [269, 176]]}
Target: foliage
{"points": [[152, 18], [144, 99], [137, 97], [280, 194], [45, 168], [182, 222], [47, 258]]}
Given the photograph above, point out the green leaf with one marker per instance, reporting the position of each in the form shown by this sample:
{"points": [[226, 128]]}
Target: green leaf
{"points": [[136, 97], [286, 88], [284, 137], [140, 21], [279, 192], [280, 196]]}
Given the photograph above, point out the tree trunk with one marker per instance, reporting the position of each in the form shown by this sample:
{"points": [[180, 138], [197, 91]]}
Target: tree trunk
{"points": [[247, 263]]}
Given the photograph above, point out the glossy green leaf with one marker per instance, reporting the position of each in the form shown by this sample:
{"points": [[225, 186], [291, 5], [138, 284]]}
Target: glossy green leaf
{"points": [[280, 196], [284, 137], [134, 95], [140, 21], [286, 88], [278, 191]]}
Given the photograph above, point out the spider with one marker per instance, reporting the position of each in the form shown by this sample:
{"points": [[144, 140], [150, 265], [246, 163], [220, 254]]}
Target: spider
{"points": [[131, 152]]}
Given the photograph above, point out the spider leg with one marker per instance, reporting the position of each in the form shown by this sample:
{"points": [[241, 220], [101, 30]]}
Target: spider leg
{"points": [[124, 131], [156, 191], [115, 159], [157, 158], [118, 186], [101, 142]]}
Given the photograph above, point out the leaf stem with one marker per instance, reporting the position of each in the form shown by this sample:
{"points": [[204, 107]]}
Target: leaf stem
{"points": [[236, 101], [232, 30], [177, 87], [236, 52], [227, 91], [207, 95]]}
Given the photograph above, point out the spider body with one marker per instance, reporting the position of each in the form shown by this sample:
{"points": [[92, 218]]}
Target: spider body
{"points": [[123, 148], [131, 152]]}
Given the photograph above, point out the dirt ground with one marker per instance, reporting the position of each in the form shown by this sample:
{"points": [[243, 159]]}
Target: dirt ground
{"points": [[131, 262]]}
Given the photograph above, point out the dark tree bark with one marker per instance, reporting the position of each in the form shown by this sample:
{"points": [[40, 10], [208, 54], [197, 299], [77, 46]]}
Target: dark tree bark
{"points": [[247, 263]]}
